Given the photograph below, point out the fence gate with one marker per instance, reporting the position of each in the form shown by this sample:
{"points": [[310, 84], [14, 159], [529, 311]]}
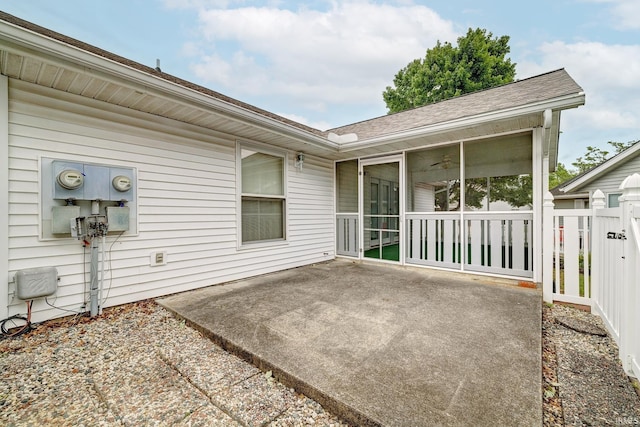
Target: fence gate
{"points": [[592, 257]]}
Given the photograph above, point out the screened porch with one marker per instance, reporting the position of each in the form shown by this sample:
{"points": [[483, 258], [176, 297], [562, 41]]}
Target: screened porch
{"points": [[465, 206]]}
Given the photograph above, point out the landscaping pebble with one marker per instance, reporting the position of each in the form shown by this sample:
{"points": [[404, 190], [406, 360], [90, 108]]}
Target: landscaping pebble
{"points": [[585, 385], [137, 365]]}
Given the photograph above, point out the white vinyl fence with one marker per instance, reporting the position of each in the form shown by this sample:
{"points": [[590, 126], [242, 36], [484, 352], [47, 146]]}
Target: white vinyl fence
{"points": [[592, 257]]}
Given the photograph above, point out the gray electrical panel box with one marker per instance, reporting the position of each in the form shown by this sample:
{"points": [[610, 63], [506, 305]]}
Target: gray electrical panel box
{"points": [[36, 282], [69, 189], [97, 182], [118, 218], [61, 217]]}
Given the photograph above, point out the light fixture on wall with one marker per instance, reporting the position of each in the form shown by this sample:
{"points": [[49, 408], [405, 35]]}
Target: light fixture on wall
{"points": [[299, 160]]}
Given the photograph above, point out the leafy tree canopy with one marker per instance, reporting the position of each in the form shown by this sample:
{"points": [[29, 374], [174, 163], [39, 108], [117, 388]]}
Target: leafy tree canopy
{"points": [[478, 62], [594, 155], [592, 158], [560, 175]]}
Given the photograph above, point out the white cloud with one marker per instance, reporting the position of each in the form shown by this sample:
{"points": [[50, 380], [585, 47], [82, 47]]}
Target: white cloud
{"points": [[628, 11], [345, 54], [625, 13], [322, 125], [607, 73]]}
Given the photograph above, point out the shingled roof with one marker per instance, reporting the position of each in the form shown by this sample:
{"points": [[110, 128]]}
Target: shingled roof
{"points": [[540, 88]]}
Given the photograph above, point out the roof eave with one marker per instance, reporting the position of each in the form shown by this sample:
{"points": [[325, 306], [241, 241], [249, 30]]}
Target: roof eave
{"points": [[601, 169], [117, 73], [560, 103], [571, 196]]}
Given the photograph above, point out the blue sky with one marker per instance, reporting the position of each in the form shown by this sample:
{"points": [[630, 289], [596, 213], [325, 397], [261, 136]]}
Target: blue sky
{"points": [[326, 63]]}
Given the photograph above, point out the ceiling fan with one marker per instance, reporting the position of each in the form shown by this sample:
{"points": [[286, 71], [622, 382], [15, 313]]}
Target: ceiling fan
{"points": [[445, 163]]}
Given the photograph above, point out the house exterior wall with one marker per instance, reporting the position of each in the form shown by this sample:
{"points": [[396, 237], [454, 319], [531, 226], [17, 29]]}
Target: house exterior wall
{"points": [[564, 204], [610, 181], [187, 203]]}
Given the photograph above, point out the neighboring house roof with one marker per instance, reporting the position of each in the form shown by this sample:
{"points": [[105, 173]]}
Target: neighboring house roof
{"points": [[40, 56], [576, 183]]}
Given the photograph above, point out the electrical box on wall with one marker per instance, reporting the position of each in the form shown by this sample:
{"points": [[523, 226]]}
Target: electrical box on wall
{"points": [[70, 188], [118, 218], [61, 217], [96, 183], [36, 282]]}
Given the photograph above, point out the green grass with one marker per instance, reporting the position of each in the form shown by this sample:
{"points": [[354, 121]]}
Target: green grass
{"points": [[389, 253], [580, 282]]}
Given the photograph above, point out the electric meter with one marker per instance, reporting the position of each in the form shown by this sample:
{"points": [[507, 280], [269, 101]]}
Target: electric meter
{"points": [[70, 179], [121, 183]]}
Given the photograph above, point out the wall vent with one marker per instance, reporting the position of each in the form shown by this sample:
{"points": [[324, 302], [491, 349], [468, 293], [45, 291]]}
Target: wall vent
{"points": [[158, 258]]}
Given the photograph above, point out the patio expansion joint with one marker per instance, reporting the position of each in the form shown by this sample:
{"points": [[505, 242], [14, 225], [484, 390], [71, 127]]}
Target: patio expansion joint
{"points": [[104, 401], [209, 397]]}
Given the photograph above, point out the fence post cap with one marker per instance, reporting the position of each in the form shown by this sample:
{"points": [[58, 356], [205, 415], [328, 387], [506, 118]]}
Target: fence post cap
{"points": [[548, 199], [632, 181], [598, 199], [631, 187]]}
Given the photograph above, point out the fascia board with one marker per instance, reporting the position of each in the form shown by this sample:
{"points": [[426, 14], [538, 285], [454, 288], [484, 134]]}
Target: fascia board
{"points": [[560, 103], [601, 169], [571, 196], [115, 72]]}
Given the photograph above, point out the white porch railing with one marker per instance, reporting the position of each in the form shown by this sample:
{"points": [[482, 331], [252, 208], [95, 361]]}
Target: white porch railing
{"points": [[347, 234], [605, 241], [433, 239], [495, 242], [500, 242]]}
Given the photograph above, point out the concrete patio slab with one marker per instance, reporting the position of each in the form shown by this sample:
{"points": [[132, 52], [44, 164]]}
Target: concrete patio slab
{"points": [[385, 345]]}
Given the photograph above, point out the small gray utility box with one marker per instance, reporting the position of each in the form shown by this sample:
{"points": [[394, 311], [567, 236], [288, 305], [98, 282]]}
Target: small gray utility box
{"points": [[36, 282]]}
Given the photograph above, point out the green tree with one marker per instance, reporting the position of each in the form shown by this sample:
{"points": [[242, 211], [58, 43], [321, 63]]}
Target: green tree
{"points": [[517, 190], [477, 62], [595, 156], [561, 174]]}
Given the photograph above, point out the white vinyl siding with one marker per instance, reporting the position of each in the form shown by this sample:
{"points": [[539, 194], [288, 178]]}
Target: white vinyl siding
{"points": [[187, 202], [610, 181]]}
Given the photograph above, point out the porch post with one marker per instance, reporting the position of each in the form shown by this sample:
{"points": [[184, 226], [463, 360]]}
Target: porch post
{"points": [[539, 192], [630, 202], [547, 248], [4, 196]]}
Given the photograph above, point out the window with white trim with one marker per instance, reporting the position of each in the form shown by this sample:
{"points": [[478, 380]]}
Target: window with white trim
{"points": [[263, 200], [612, 200]]}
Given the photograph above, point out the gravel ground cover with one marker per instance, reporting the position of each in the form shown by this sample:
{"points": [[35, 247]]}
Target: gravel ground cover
{"points": [[583, 380], [137, 365]]}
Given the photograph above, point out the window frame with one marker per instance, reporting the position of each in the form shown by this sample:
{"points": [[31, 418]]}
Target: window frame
{"points": [[609, 195], [240, 195]]}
